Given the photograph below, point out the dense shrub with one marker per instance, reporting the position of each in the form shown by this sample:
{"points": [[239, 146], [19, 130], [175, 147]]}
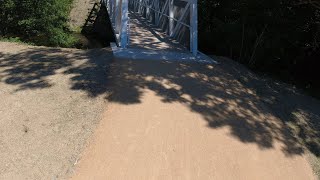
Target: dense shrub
{"points": [[281, 37], [43, 22]]}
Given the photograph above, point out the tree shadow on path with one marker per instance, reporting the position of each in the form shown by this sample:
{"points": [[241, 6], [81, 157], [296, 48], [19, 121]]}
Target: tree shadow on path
{"points": [[32, 68], [256, 110]]}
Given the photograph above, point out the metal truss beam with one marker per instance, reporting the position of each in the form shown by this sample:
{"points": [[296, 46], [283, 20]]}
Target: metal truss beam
{"points": [[154, 10]]}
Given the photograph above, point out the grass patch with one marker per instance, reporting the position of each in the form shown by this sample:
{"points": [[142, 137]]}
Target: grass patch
{"points": [[15, 40]]}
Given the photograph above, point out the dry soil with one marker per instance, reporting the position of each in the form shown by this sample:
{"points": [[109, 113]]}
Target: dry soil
{"points": [[50, 102]]}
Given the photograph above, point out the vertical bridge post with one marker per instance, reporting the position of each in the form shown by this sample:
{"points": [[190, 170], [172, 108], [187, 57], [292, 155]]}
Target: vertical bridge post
{"points": [[194, 27], [117, 16], [124, 24], [110, 8], [171, 16]]}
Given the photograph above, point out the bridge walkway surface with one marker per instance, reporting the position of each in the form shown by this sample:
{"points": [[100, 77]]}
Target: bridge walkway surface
{"points": [[148, 42], [143, 34]]}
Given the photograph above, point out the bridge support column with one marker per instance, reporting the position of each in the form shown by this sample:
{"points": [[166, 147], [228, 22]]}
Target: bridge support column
{"points": [[194, 27], [124, 24]]}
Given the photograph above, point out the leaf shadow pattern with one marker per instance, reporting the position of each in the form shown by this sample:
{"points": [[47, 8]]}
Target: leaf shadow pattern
{"points": [[28, 70], [31, 68], [256, 109]]}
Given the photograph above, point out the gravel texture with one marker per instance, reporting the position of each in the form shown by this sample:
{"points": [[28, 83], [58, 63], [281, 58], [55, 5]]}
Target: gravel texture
{"points": [[180, 120], [50, 102]]}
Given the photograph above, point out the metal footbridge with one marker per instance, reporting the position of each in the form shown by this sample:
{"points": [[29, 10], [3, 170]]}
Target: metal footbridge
{"points": [[155, 27]]}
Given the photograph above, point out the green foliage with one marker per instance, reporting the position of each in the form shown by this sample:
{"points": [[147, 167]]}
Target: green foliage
{"points": [[14, 39], [277, 36], [43, 22]]}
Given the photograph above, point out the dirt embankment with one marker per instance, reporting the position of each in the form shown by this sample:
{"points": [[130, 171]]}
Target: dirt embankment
{"points": [[80, 11]]}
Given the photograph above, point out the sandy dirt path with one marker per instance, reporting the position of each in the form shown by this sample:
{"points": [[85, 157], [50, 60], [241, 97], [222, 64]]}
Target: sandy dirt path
{"points": [[168, 120]]}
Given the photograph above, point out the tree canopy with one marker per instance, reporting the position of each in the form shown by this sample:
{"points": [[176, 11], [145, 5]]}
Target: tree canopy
{"points": [[277, 36]]}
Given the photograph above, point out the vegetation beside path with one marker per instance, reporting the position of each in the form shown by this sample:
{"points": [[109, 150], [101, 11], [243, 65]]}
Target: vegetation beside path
{"points": [[42, 22], [277, 37]]}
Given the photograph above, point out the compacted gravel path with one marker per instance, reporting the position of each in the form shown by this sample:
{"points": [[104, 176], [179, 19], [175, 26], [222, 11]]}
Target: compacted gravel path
{"points": [[174, 120], [87, 115]]}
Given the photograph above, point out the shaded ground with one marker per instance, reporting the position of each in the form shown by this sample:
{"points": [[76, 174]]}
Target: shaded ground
{"points": [[51, 100], [169, 120]]}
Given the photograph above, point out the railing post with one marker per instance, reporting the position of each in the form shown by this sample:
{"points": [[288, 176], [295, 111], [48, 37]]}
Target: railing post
{"points": [[171, 15], [140, 7], [114, 10], [194, 27], [147, 8], [117, 16], [124, 24], [157, 7], [110, 8]]}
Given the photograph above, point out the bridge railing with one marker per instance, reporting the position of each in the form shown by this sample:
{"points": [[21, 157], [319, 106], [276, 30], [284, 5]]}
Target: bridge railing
{"points": [[178, 13]]}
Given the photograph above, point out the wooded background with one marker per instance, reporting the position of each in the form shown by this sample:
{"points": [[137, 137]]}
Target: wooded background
{"points": [[43, 22], [278, 37]]}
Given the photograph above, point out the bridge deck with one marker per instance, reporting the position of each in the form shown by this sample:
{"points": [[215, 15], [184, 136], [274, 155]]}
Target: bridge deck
{"points": [[147, 41], [145, 35]]}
